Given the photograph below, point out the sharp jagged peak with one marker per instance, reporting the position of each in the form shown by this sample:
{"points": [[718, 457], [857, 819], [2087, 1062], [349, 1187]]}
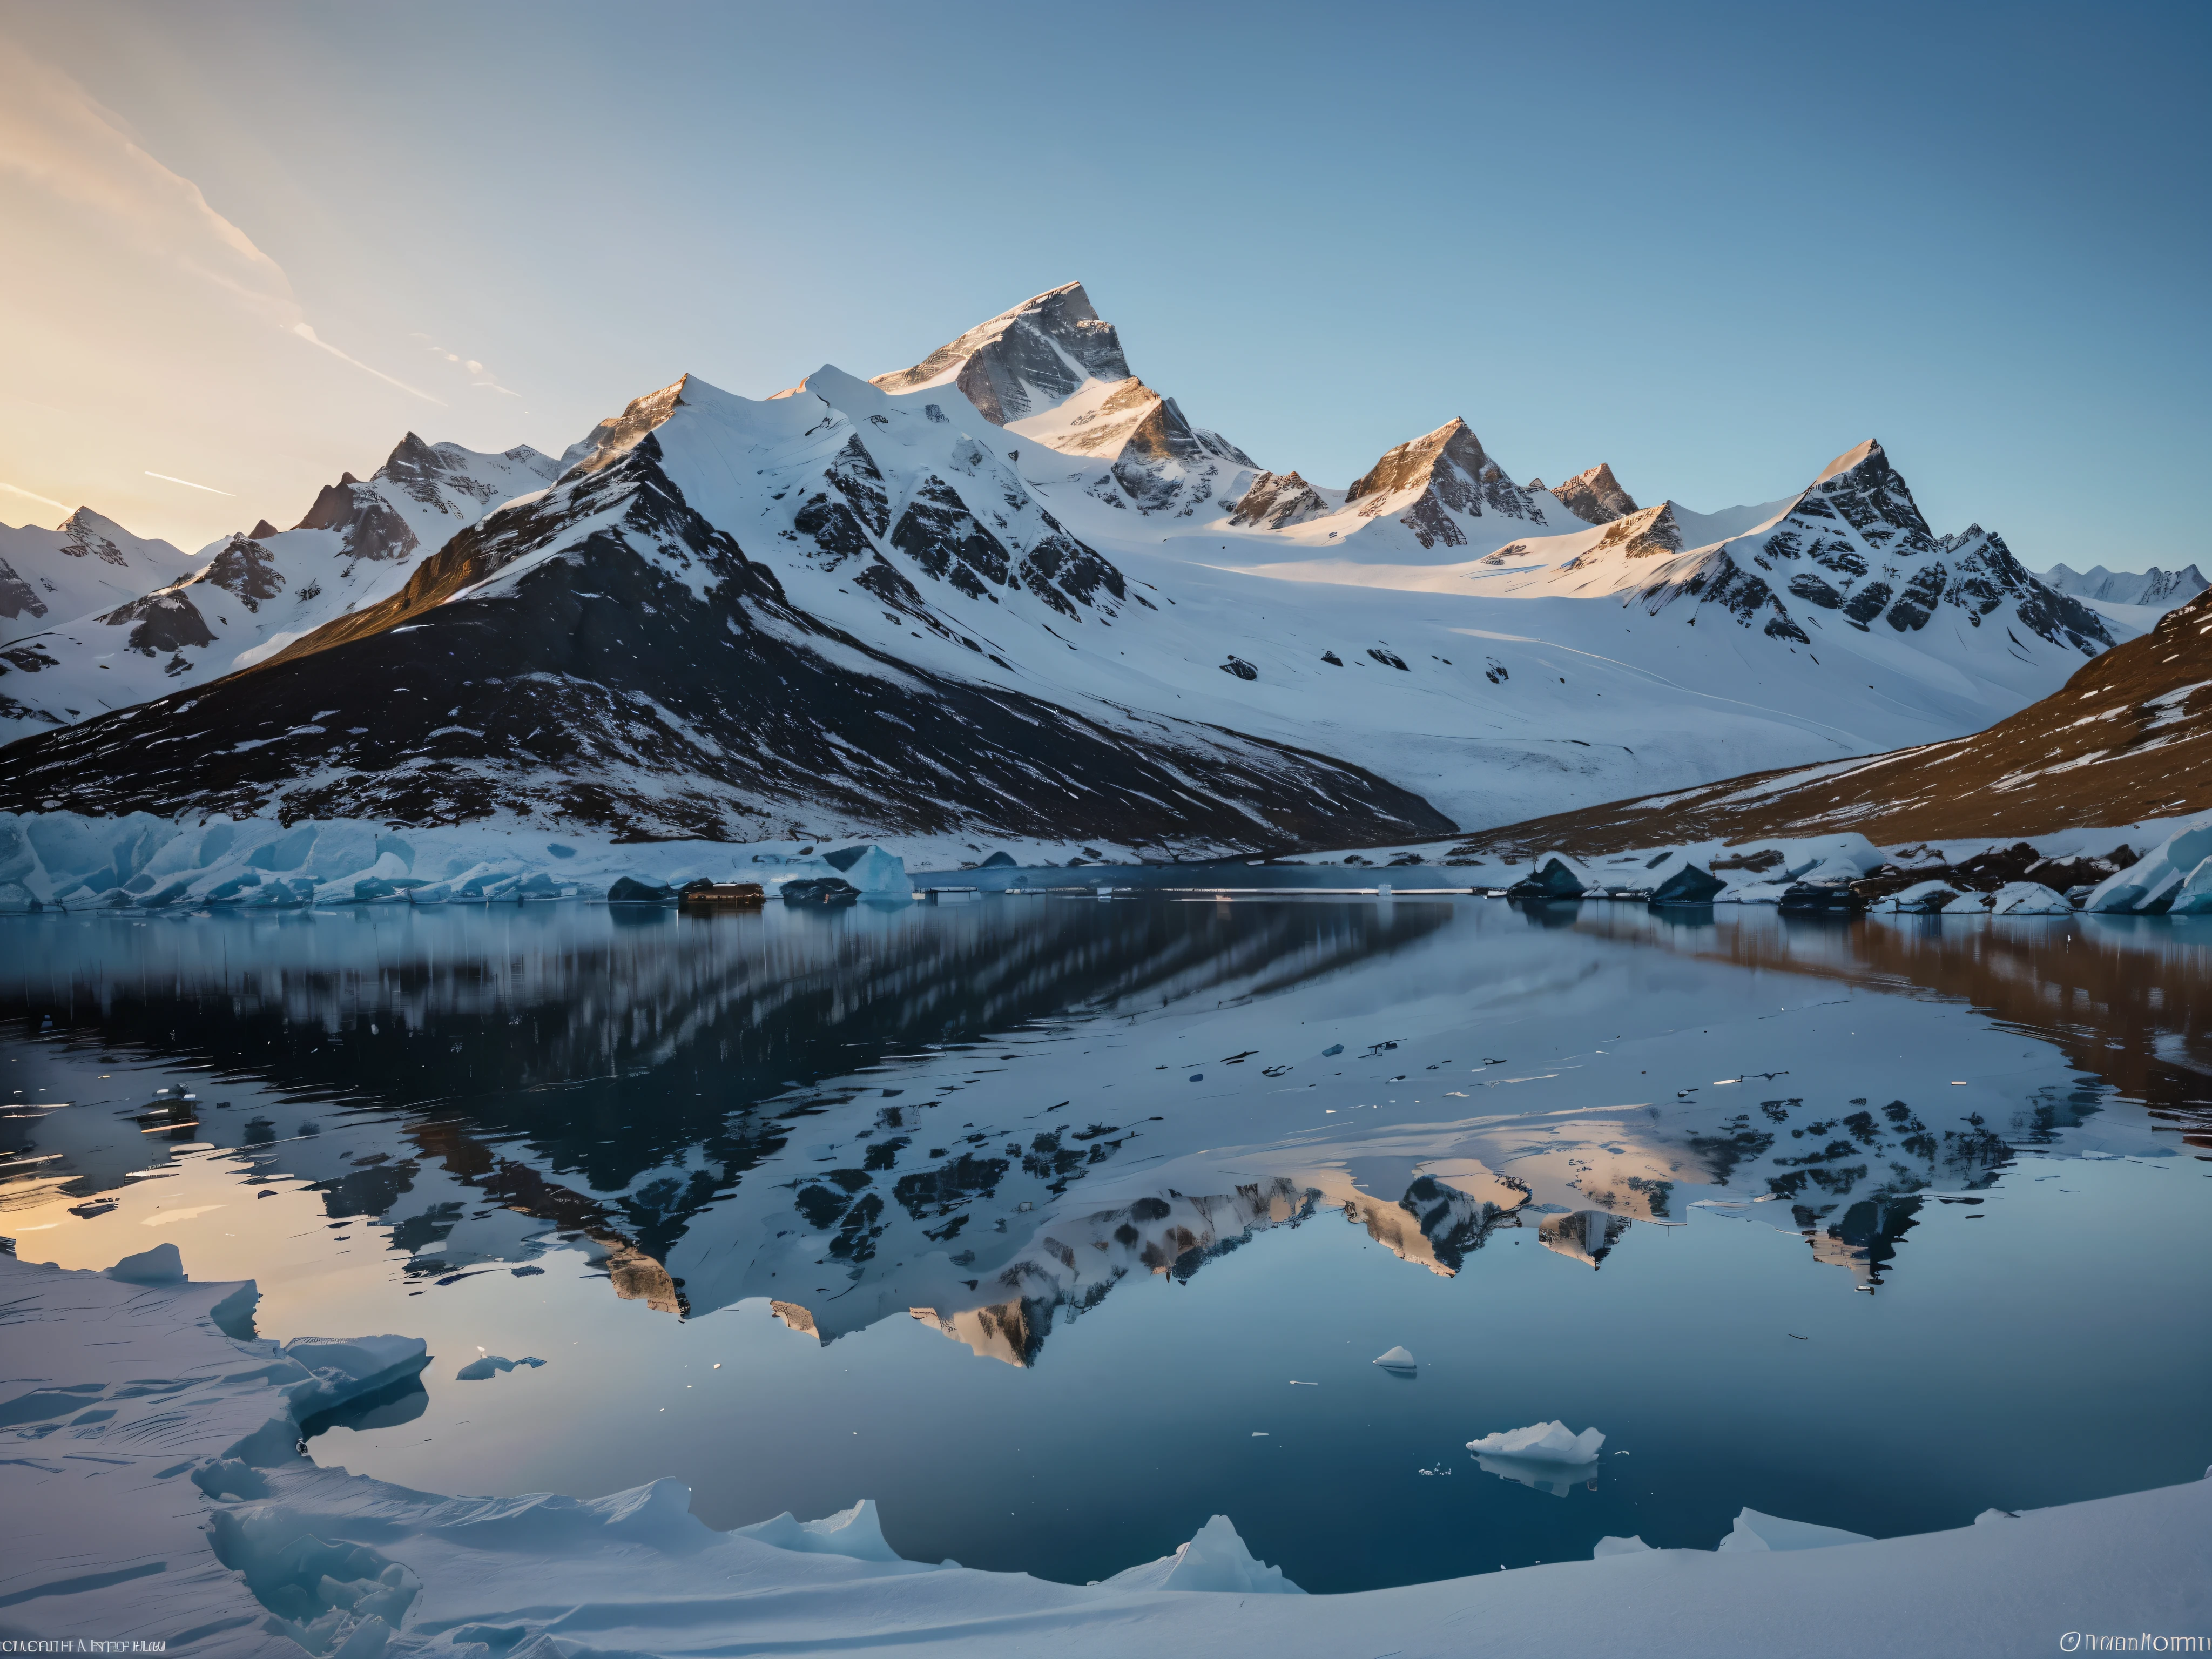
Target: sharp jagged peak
{"points": [[1024, 359], [1414, 462], [1594, 496]]}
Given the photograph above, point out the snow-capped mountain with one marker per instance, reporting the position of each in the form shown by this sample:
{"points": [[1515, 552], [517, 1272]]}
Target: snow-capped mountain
{"points": [[608, 653], [1052, 371], [1594, 496], [245, 597], [85, 563], [870, 608], [2160, 590]]}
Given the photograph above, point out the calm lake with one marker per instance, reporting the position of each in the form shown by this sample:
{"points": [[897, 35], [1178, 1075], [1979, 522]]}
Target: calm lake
{"points": [[1058, 1224]]}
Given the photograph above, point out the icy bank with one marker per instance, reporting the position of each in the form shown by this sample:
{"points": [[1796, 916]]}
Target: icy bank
{"points": [[65, 862], [152, 1489]]}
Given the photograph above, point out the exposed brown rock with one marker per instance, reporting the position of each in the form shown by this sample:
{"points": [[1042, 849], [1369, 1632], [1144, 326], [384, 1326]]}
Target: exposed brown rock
{"points": [[2129, 736], [1594, 496]]}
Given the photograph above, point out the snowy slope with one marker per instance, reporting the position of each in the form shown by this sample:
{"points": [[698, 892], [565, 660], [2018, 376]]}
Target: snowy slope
{"points": [[1052, 371], [85, 563], [248, 596]]}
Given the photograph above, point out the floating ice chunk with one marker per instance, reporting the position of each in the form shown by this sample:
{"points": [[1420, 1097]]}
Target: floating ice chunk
{"points": [[1631, 1545], [1397, 1360], [2159, 879], [162, 1264], [1215, 1559], [1676, 879], [857, 1533], [1921, 898], [1754, 1531], [2028, 898], [491, 1365], [1555, 876], [1541, 1442]]}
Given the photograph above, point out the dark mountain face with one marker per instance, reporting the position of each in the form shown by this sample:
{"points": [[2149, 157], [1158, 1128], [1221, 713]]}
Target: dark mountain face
{"points": [[1453, 471], [1595, 496], [606, 657], [1025, 359]]}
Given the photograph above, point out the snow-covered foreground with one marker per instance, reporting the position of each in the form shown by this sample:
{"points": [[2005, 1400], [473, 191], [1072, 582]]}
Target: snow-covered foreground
{"points": [[155, 1493]]}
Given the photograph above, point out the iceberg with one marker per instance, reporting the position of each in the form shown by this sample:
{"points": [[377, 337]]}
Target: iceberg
{"points": [[1922, 898], [1554, 876], [2159, 881], [2030, 898], [1215, 1559], [856, 1533], [1754, 1531], [1631, 1545], [1397, 1360], [1541, 1442]]}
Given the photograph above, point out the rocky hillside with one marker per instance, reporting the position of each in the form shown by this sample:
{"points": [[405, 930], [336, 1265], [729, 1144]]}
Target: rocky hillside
{"points": [[2129, 737]]}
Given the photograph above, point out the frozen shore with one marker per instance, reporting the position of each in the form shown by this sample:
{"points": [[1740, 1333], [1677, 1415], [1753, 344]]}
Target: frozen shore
{"points": [[154, 1490]]}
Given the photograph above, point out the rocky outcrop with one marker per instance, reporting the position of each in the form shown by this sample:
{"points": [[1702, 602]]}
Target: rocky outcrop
{"points": [[1434, 480], [2129, 737], [1276, 501], [1025, 359], [1594, 496]]}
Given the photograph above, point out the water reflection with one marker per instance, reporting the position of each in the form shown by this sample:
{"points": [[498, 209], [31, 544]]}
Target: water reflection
{"points": [[962, 1115]]}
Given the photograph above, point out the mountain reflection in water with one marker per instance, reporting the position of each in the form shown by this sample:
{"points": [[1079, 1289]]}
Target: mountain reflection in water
{"points": [[705, 1102]]}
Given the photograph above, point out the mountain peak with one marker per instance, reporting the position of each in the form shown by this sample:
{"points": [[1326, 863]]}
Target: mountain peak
{"points": [[1595, 496], [1024, 359], [618, 434], [1870, 450], [1450, 473]]}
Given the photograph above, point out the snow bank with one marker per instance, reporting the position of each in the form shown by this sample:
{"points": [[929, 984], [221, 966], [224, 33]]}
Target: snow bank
{"points": [[62, 860], [1541, 1442], [1215, 1559]]}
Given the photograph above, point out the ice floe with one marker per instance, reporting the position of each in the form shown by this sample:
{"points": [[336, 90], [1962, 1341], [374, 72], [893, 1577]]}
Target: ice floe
{"points": [[1541, 1443]]}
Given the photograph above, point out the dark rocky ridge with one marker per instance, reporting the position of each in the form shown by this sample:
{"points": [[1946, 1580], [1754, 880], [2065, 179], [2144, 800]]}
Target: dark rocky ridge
{"points": [[1048, 345], [1453, 471], [595, 687], [1595, 496]]}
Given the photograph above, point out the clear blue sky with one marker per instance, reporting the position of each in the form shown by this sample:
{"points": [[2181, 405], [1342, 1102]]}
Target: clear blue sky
{"points": [[1712, 245]]}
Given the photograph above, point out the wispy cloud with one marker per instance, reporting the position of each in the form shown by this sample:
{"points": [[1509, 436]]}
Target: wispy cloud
{"points": [[187, 482], [18, 489], [58, 137], [478, 375]]}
